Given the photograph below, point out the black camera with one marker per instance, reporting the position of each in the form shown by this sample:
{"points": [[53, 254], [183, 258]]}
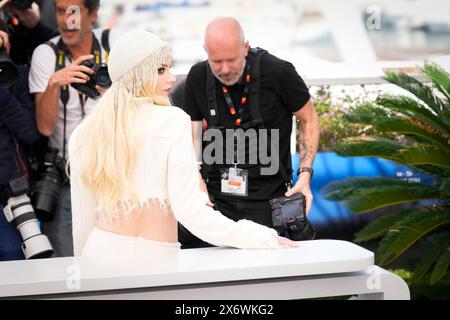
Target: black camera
{"points": [[289, 217], [21, 4], [46, 190], [35, 245], [100, 77]]}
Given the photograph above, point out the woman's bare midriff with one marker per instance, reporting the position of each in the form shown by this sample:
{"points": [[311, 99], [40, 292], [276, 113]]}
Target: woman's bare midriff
{"points": [[150, 222]]}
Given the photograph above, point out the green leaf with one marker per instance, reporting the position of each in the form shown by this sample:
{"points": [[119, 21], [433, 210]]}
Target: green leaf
{"points": [[385, 197], [439, 77], [341, 190], [369, 147], [432, 171], [378, 227], [406, 126], [367, 113], [414, 110], [440, 290], [417, 88], [367, 194], [445, 187], [408, 231], [440, 269], [426, 155], [433, 247]]}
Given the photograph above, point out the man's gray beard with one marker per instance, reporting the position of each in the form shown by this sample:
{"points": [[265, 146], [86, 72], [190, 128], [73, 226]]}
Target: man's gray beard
{"points": [[237, 78]]}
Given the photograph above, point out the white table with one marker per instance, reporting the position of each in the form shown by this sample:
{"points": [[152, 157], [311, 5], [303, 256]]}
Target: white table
{"points": [[318, 268]]}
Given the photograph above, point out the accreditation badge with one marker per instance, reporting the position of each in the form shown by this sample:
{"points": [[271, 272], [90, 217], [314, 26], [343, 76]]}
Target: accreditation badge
{"points": [[234, 181]]}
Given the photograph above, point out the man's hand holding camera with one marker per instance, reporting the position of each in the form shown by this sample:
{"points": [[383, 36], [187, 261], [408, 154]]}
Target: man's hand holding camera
{"points": [[303, 186], [85, 76], [74, 73]]}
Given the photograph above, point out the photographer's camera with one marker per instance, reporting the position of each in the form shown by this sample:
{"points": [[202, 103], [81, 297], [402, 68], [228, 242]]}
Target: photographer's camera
{"points": [[289, 217], [46, 190], [100, 78]]}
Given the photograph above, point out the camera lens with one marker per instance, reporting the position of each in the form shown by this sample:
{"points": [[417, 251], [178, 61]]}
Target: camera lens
{"points": [[35, 245], [102, 76], [45, 194]]}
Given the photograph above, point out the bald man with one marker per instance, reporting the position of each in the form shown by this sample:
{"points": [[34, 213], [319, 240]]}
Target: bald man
{"points": [[239, 87]]}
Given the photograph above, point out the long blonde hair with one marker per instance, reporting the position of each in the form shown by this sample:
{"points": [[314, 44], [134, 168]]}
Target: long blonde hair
{"points": [[106, 140]]}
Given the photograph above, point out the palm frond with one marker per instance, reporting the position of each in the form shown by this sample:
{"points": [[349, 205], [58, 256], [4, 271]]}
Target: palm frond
{"points": [[379, 226], [434, 246], [377, 198], [414, 110], [408, 230], [440, 290], [441, 267], [367, 113], [439, 77], [414, 129], [432, 171], [445, 187], [421, 91], [367, 194], [426, 155], [369, 147], [342, 189]]}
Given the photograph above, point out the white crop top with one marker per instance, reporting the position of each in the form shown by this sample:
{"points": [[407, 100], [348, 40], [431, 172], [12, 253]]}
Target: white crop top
{"points": [[166, 171]]}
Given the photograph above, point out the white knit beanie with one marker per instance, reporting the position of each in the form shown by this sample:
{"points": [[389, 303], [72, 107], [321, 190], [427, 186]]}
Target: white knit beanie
{"points": [[130, 50]]}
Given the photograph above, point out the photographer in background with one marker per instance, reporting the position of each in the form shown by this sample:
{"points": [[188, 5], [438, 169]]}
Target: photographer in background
{"points": [[55, 68], [17, 128], [29, 26], [244, 89]]}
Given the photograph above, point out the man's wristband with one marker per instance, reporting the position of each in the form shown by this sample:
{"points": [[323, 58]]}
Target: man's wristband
{"points": [[305, 169]]}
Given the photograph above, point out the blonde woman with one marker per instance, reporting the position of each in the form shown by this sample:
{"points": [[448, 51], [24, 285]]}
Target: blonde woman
{"points": [[133, 169]]}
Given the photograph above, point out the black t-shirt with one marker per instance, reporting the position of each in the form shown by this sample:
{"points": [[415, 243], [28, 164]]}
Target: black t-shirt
{"points": [[282, 92]]}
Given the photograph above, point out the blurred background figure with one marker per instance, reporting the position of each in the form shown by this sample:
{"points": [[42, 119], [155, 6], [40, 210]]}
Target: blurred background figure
{"points": [[30, 23], [17, 132]]}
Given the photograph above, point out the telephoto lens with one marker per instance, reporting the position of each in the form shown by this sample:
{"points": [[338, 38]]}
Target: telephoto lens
{"points": [[19, 210]]}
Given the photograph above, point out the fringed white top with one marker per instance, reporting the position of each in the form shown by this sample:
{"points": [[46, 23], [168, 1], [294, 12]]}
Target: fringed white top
{"points": [[165, 171]]}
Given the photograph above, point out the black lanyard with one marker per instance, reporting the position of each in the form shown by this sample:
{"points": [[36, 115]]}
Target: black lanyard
{"points": [[62, 53], [244, 98], [83, 100]]}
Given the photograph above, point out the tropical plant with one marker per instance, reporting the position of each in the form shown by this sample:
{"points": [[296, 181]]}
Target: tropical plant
{"points": [[421, 121], [331, 104]]}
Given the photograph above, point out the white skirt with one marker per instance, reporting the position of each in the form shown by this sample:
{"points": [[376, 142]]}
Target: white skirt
{"points": [[104, 243]]}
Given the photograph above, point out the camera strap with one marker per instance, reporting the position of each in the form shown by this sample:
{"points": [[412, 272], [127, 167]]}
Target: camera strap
{"points": [[61, 53], [254, 59]]}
